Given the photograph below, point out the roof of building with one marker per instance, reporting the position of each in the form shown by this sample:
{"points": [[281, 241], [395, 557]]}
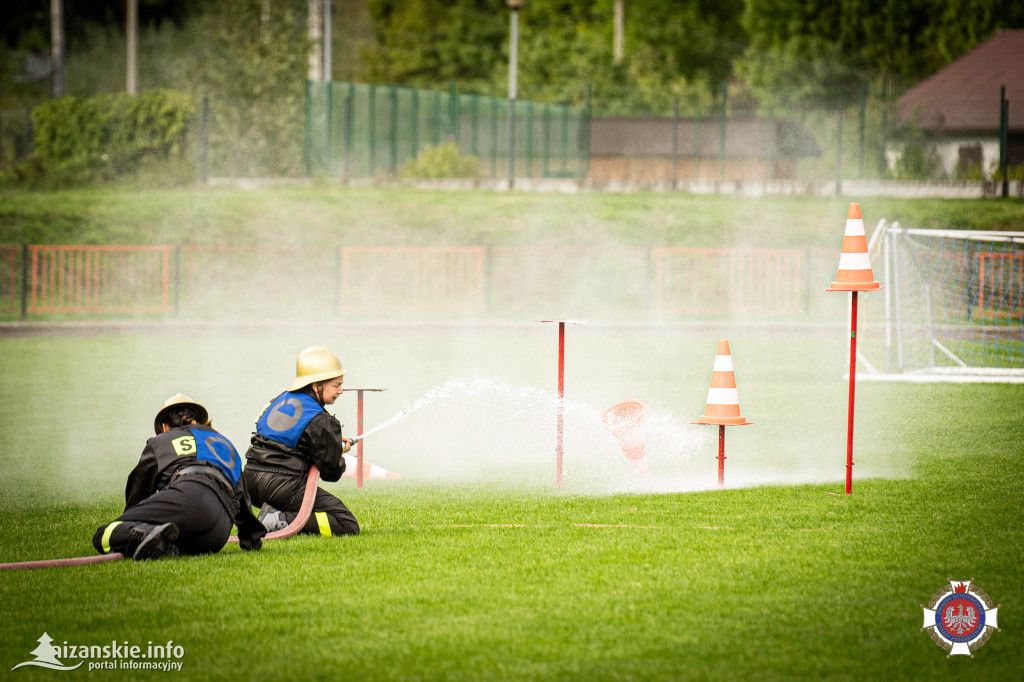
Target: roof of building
{"points": [[964, 95]]}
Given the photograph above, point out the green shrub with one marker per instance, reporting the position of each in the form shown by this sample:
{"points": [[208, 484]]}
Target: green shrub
{"points": [[442, 161], [108, 136]]}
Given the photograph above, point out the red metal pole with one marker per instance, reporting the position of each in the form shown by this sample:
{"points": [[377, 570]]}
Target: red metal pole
{"points": [[359, 445], [853, 382], [721, 455], [561, 408]]}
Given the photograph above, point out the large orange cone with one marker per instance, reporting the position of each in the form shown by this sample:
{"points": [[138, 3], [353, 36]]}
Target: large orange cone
{"points": [[854, 264], [623, 420], [723, 406], [369, 470]]}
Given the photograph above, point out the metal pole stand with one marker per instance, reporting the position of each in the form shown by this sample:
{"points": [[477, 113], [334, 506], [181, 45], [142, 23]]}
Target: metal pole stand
{"points": [[560, 419], [359, 429]]}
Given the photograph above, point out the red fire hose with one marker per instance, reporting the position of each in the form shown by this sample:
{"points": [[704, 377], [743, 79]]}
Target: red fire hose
{"points": [[308, 497]]}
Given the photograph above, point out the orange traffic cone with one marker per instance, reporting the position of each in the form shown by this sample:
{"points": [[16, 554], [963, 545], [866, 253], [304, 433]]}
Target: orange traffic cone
{"points": [[369, 470], [854, 264], [723, 405], [623, 420]]}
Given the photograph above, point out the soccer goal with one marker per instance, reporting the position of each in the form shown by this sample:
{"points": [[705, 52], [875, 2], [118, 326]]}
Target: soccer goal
{"points": [[952, 307]]}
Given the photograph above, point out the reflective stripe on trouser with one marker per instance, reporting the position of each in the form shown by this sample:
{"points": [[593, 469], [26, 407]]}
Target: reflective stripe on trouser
{"points": [[106, 536], [323, 523], [284, 492], [203, 523]]}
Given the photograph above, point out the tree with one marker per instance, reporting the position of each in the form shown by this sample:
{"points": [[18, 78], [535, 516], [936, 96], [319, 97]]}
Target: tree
{"points": [[254, 73], [672, 49], [813, 51]]}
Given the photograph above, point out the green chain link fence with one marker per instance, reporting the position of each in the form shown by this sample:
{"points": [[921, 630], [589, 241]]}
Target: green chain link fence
{"points": [[366, 131]]}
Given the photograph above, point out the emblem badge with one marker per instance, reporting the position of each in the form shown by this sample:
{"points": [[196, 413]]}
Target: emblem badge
{"points": [[960, 618]]}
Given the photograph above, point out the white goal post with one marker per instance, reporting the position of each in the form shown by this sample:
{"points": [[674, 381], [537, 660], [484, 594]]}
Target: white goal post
{"points": [[952, 306]]}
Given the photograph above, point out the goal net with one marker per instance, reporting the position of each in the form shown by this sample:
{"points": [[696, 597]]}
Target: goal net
{"points": [[952, 307]]}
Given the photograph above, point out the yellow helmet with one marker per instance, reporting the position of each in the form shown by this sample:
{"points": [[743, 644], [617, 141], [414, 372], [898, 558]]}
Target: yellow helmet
{"points": [[174, 400], [316, 363]]}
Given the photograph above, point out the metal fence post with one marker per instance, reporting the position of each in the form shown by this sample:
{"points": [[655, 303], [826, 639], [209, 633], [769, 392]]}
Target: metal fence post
{"points": [[883, 162], [529, 138], [494, 137], [863, 111], [204, 143], [547, 139], [721, 132], [1002, 135], [839, 150], [372, 133], [177, 278], [675, 143], [696, 148], [24, 280], [453, 112], [328, 116], [415, 116], [307, 148], [393, 92], [347, 140], [474, 105]]}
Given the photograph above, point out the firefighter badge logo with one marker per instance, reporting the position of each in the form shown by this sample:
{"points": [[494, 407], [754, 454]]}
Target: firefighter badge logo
{"points": [[960, 618]]}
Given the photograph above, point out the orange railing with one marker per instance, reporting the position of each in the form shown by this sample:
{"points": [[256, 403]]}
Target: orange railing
{"points": [[707, 280], [1001, 279], [417, 279], [431, 281], [99, 279]]}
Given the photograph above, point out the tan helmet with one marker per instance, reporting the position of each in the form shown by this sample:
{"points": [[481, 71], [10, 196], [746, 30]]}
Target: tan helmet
{"points": [[174, 400], [316, 363]]}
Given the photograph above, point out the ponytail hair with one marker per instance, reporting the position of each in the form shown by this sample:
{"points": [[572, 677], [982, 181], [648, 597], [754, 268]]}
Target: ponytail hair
{"points": [[181, 415]]}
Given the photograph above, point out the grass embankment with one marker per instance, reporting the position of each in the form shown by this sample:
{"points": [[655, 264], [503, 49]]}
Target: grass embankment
{"points": [[323, 215]]}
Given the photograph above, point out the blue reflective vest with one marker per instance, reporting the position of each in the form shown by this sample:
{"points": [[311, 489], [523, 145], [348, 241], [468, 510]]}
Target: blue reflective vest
{"points": [[209, 446], [287, 416]]}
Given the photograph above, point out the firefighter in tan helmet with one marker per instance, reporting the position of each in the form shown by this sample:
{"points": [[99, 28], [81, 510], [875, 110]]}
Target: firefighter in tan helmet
{"points": [[185, 492], [293, 432]]}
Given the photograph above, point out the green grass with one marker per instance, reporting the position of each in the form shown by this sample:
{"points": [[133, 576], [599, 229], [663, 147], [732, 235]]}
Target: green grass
{"points": [[476, 579], [325, 215]]}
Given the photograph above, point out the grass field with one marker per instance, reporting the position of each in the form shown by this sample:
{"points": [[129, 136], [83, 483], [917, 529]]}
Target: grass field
{"points": [[474, 565]]}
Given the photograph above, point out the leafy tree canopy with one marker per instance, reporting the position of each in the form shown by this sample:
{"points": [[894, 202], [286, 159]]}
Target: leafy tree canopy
{"points": [[813, 51]]}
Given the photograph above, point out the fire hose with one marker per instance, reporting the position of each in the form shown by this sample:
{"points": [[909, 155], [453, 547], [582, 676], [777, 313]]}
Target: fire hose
{"points": [[308, 497]]}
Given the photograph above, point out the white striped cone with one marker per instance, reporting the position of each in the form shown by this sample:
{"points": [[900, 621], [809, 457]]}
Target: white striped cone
{"points": [[369, 470], [854, 264], [723, 405]]}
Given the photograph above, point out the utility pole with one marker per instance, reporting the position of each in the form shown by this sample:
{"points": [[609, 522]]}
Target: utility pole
{"points": [[620, 21], [133, 47], [57, 46], [316, 37], [327, 40]]}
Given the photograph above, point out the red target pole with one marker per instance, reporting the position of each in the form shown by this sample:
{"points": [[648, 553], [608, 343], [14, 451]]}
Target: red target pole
{"points": [[854, 275], [560, 413], [721, 455], [561, 405], [853, 383]]}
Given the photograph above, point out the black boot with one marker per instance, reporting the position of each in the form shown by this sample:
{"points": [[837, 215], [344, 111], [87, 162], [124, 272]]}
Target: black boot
{"points": [[152, 542]]}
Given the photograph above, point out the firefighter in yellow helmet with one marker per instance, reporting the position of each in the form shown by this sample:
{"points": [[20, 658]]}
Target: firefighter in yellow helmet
{"points": [[294, 431], [185, 492]]}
